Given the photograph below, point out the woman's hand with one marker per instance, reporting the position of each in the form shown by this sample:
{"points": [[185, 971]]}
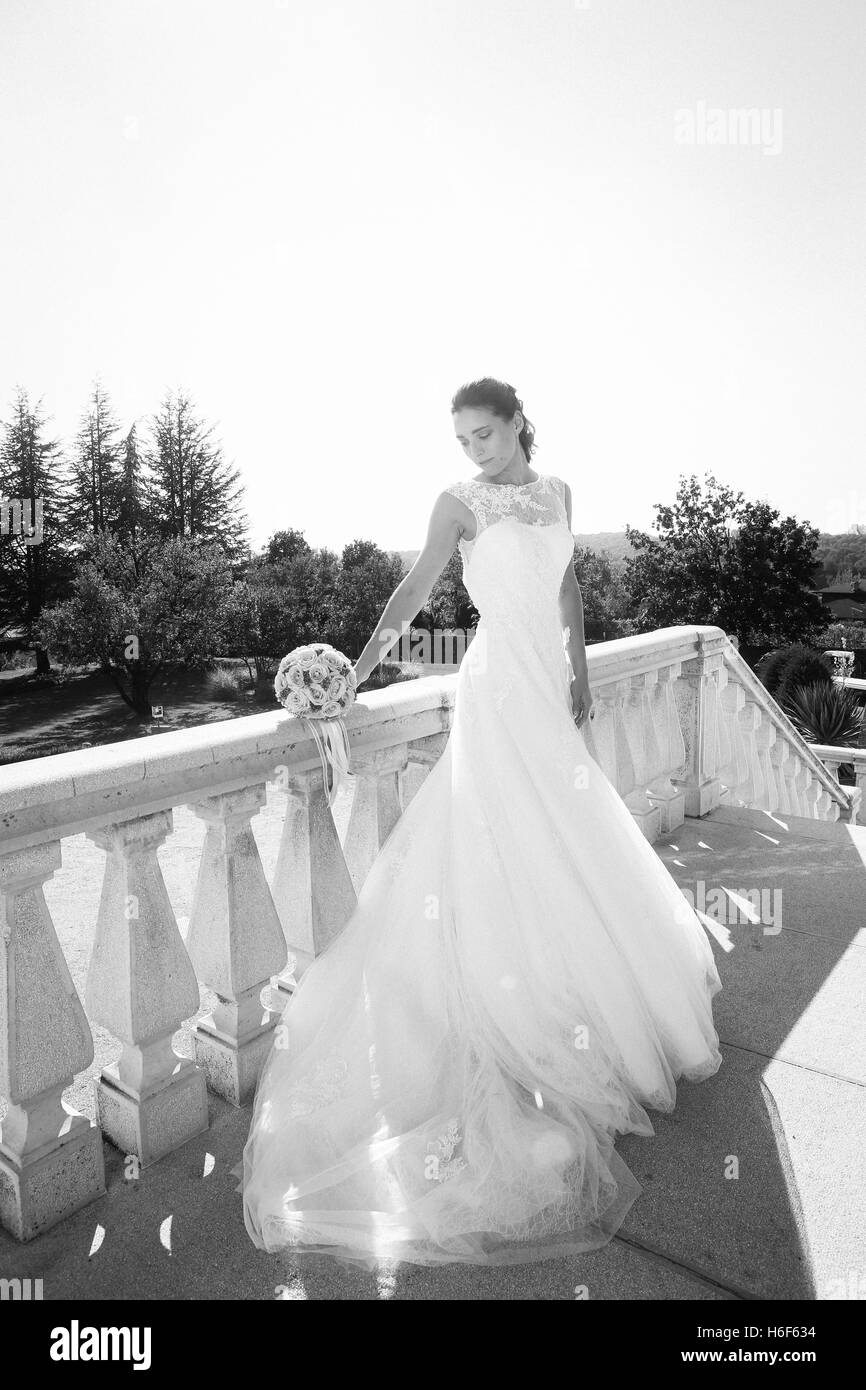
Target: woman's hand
{"points": [[581, 699]]}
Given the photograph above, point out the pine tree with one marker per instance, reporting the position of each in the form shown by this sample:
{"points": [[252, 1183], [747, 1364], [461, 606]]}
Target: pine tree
{"points": [[190, 489], [131, 512], [35, 562], [95, 470]]}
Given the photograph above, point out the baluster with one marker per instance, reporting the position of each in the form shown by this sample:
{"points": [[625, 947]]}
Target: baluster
{"points": [[669, 736], [602, 736], [236, 944], [423, 753], [802, 778], [376, 807], [765, 737], [141, 986], [829, 808], [792, 781], [812, 795], [639, 731], [750, 792], [724, 743], [825, 807], [734, 771], [697, 703], [782, 758], [313, 889], [51, 1161]]}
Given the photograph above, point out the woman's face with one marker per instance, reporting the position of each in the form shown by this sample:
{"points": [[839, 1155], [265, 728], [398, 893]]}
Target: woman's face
{"points": [[489, 441]]}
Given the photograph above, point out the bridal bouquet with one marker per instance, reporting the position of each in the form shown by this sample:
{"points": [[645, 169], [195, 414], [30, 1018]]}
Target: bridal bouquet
{"points": [[317, 683]]}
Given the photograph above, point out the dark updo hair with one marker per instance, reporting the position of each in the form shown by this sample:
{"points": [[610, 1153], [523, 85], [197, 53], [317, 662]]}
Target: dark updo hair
{"points": [[500, 398]]}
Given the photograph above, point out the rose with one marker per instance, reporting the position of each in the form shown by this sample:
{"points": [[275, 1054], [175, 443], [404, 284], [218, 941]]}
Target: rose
{"points": [[313, 677], [296, 702], [281, 684]]}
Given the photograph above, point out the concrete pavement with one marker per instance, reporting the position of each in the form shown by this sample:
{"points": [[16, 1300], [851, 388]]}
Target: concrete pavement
{"points": [[753, 1187]]}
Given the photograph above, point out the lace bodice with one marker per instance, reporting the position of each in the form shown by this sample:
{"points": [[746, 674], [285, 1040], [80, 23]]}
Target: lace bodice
{"points": [[540, 503], [514, 564]]}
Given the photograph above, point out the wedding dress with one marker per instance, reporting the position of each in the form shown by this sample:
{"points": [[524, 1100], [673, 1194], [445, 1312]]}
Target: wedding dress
{"points": [[521, 976]]}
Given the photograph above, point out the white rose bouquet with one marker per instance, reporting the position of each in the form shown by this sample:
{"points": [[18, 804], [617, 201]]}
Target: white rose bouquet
{"points": [[317, 683]]}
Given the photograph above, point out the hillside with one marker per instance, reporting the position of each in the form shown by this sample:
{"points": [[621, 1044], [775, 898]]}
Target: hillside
{"points": [[836, 554], [613, 541]]}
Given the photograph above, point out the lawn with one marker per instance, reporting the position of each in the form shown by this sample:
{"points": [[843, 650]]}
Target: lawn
{"points": [[84, 709]]}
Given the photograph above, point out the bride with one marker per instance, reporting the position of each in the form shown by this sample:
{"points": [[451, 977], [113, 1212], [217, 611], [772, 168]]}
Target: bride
{"points": [[521, 976]]}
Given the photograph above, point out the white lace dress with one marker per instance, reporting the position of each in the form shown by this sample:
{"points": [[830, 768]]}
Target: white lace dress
{"points": [[521, 977]]}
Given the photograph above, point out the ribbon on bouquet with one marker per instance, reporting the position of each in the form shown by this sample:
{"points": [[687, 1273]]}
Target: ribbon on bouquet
{"points": [[332, 742]]}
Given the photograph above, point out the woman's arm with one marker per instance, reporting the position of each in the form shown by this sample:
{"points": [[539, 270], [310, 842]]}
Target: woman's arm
{"points": [[571, 616], [448, 521]]}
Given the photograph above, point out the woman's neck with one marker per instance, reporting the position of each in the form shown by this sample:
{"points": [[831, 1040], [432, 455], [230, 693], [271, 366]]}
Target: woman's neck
{"points": [[516, 472]]}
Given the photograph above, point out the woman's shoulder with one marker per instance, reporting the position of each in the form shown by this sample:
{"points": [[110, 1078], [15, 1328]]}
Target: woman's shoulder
{"points": [[463, 491]]}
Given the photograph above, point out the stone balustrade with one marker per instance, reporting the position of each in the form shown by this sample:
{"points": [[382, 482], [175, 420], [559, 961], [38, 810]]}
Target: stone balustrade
{"points": [[682, 726], [834, 756]]}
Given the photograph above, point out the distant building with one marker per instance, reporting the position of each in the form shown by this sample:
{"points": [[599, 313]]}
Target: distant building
{"points": [[846, 602], [12, 639]]}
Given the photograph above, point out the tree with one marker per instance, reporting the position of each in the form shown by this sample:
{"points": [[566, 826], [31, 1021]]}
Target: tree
{"points": [[95, 471], [449, 606], [36, 567], [366, 580], [606, 601], [847, 578], [139, 607], [279, 606], [131, 511], [721, 560], [190, 490], [284, 546]]}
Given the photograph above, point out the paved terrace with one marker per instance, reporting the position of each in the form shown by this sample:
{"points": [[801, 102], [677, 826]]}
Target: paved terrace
{"points": [[789, 1103], [731, 798]]}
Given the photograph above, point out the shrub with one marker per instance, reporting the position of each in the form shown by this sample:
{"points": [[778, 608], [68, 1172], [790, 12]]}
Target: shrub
{"points": [[824, 712], [228, 683], [392, 673], [841, 635], [17, 661], [790, 667]]}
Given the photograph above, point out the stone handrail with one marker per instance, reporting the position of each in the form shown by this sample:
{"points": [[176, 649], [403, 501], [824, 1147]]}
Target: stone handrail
{"points": [[834, 755], [766, 762], [681, 726]]}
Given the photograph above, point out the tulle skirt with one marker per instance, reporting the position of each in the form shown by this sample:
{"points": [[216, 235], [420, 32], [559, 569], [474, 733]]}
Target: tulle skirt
{"points": [[520, 981]]}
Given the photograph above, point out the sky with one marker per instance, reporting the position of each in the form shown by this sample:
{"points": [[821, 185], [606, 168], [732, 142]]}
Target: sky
{"points": [[320, 219]]}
